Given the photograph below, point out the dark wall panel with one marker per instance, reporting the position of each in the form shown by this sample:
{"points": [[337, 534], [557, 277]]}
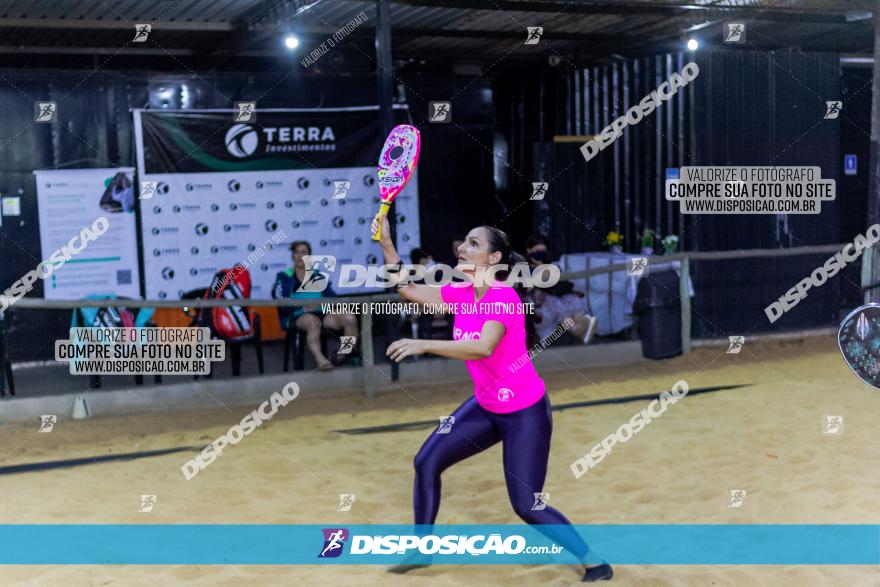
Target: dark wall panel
{"points": [[744, 108], [765, 109], [95, 130]]}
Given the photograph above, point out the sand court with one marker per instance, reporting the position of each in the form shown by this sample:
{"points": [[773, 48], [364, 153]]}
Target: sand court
{"points": [[766, 439]]}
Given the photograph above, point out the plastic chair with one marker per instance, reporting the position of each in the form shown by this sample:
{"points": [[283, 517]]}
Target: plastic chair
{"points": [[296, 342], [200, 318], [88, 317]]}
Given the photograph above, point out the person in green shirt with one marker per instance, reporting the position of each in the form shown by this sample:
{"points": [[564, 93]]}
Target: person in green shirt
{"points": [[311, 318]]}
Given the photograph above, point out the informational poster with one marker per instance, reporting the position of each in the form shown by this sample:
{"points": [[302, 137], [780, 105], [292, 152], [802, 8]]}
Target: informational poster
{"points": [[11, 205], [221, 192], [71, 200]]}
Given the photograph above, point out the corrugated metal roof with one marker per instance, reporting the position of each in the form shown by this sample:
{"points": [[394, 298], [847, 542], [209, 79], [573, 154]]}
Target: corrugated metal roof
{"points": [[429, 26], [133, 10]]}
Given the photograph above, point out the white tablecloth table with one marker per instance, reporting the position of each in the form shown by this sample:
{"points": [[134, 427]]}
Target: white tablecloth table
{"points": [[610, 296]]}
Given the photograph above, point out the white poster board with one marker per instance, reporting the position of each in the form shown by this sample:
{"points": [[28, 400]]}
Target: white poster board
{"points": [[69, 200]]}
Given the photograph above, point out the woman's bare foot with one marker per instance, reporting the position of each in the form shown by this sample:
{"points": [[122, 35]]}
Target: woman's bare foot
{"points": [[325, 366]]}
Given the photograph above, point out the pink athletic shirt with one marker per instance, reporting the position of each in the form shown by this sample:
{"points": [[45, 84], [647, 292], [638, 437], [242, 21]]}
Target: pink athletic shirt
{"points": [[500, 384]]}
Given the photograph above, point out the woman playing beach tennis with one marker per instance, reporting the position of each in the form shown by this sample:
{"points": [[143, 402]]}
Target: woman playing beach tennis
{"points": [[509, 403]]}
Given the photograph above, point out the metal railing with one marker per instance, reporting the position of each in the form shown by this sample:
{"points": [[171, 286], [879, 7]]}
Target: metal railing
{"points": [[366, 331]]}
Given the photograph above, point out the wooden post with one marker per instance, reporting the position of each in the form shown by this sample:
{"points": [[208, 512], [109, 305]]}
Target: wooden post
{"points": [[684, 294], [367, 351], [872, 262]]}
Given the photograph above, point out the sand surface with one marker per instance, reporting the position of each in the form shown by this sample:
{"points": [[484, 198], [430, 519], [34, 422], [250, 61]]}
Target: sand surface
{"points": [[766, 439]]}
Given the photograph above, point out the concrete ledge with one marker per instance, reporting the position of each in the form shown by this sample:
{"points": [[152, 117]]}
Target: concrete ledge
{"points": [[793, 335], [250, 391], [243, 392]]}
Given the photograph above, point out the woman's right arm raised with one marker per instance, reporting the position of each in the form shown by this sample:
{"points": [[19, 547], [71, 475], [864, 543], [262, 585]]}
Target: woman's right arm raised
{"points": [[418, 293]]}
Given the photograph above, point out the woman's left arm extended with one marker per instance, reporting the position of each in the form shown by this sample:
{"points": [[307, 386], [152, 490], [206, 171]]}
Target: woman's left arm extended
{"points": [[468, 350]]}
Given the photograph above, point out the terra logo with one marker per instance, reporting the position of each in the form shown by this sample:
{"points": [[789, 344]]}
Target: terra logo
{"points": [[241, 140], [334, 541]]}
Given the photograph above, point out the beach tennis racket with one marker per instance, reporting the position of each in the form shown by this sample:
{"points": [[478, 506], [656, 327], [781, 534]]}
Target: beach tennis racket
{"points": [[859, 340], [397, 162]]}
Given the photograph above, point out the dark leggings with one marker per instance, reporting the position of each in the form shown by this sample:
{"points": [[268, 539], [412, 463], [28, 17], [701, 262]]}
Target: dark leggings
{"points": [[526, 447]]}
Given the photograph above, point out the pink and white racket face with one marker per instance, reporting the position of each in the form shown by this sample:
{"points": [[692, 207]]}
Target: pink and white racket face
{"points": [[398, 160]]}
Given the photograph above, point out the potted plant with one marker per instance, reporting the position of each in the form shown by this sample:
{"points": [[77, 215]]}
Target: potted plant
{"points": [[648, 242], [614, 242], [670, 244]]}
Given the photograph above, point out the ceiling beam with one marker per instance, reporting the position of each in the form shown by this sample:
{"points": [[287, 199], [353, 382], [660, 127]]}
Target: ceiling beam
{"points": [[667, 9], [159, 25], [408, 33], [32, 50], [268, 18]]}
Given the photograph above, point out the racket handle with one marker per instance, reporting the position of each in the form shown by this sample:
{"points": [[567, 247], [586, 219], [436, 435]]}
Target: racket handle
{"points": [[383, 212]]}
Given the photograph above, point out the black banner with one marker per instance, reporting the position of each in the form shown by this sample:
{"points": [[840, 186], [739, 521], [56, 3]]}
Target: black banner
{"points": [[192, 142]]}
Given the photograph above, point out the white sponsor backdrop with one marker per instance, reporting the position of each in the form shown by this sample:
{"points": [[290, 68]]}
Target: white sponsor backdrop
{"points": [[68, 200], [199, 223]]}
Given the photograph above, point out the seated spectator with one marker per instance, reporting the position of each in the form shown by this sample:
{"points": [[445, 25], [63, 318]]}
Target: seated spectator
{"points": [[310, 318], [421, 257], [453, 261], [554, 304], [424, 321]]}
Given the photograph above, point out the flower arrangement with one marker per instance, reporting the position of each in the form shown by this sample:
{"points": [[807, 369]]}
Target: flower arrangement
{"points": [[648, 242], [670, 244], [614, 240]]}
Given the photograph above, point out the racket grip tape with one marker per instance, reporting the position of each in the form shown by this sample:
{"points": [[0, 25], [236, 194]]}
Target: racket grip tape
{"points": [[383, 212]]}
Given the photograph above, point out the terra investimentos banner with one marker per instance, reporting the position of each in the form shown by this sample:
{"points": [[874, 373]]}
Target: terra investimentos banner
{"points": [[218, 190]]}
